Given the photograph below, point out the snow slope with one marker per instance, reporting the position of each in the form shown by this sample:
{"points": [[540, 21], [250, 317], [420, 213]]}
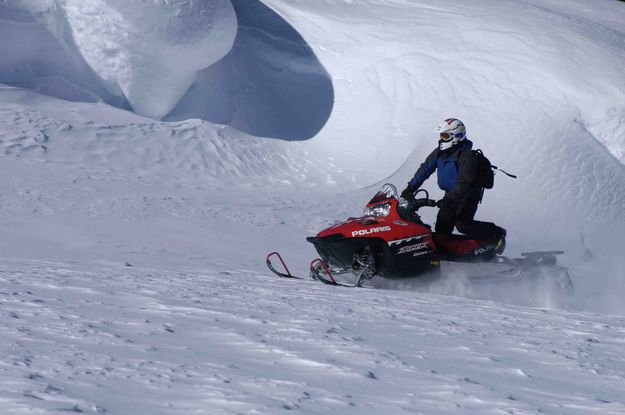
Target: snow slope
{"points": [[132, 250], [128, 340]]}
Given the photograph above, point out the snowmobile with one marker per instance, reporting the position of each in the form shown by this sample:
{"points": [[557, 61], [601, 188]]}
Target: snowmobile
{"points": [[391, 242]]}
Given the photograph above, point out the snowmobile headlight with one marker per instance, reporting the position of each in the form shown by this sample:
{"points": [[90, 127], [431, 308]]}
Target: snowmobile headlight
{"points": [[378, 211]]}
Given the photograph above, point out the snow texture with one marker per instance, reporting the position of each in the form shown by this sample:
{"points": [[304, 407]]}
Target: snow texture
{"points": [[132, 275], [127, 340], [146, 52], [38, 53], [151, 50], [271, 84]]}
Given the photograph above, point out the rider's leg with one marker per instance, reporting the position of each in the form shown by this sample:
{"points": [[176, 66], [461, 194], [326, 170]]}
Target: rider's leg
{"points": [[474, 228], [444, 221]]}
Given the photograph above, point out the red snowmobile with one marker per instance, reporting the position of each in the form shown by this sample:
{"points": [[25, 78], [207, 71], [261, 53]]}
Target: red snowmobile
{"points": [[390, 241]]}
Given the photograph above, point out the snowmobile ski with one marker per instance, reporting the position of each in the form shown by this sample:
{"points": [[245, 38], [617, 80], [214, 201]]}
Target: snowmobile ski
{"points": [[275, 271], [319, 271], [318, 267]]}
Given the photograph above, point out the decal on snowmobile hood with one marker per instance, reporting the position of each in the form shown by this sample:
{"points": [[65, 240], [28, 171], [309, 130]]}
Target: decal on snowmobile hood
{"points": [[363, 232]]}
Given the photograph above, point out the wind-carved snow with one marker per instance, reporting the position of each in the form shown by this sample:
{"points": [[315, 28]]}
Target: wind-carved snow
{"points": [[151, 51], [38, 53], [270, 84], [243, 66]]}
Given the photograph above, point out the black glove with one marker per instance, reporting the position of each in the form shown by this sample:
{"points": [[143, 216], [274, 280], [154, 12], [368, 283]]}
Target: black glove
{"points": [[408, 193], [439, 203]]}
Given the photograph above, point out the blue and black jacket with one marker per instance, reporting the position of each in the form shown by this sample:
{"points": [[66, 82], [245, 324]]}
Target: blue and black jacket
{"points": [[457, 175]]}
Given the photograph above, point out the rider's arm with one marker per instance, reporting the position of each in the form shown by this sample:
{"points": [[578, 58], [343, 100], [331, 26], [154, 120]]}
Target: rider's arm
{"points": [[467, 171], [425, 170]]}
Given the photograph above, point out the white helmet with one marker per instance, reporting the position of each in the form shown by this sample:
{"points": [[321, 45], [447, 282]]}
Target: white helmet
{"points": [[451, 132]]}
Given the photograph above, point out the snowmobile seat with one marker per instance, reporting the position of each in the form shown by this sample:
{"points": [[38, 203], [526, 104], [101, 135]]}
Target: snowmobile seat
{"points": [[463, 246]]}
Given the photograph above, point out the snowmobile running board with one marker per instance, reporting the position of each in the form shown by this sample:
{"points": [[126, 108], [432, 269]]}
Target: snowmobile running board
{"points": [[540, 257]]}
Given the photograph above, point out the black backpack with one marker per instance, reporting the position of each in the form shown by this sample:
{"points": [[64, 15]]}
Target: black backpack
{"points": [[485, 175], [486, 171]]}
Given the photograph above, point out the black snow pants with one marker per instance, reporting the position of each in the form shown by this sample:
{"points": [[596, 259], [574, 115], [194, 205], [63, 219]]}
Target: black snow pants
{"points": [[465, 223]]}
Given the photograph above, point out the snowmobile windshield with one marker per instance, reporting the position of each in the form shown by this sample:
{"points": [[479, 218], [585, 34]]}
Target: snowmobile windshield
{"points": [[388, 191], [381, 210]]}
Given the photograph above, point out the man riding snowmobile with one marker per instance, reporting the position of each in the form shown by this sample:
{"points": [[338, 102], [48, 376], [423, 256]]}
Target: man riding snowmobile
{"points": [[391, 242], [457, 166]]}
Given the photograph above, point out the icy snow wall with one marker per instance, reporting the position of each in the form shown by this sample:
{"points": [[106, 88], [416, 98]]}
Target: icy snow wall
{"points": [[145, 56], [144, 53], [271, 84], [151, 51], [38, 52]]}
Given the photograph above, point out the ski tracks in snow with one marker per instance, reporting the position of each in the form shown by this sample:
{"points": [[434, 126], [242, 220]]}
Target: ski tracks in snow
{"points": [[135, 340]]}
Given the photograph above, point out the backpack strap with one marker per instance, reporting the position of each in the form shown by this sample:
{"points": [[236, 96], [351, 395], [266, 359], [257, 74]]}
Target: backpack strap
{"points": [[504, 172], [495, 167]]}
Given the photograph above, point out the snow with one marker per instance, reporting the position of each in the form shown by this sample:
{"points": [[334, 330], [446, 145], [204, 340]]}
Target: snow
{"points": [[35, 54], [151, 51], [270, 84], [147, 53], [139, 340], [132, 275]]}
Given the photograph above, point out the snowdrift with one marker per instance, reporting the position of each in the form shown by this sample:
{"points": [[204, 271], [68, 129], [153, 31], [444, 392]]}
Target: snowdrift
{"points": [[270, 84], [158, 59], [138, 55]]}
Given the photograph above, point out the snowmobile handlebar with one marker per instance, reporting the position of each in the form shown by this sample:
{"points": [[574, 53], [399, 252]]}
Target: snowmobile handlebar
{"points": [[425, 202], [416, 204], [412, 204]]}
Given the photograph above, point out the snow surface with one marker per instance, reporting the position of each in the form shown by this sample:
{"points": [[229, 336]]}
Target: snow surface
{"points": [[132, 250], [270, 84], [138, 340], [145, 52], [151, 50]]}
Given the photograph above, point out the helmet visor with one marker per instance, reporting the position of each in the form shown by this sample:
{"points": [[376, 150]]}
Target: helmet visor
{"points": [[445, 137]]}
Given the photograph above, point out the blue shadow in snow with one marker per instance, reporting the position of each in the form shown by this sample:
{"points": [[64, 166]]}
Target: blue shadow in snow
{"points": [[270, 84]]}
